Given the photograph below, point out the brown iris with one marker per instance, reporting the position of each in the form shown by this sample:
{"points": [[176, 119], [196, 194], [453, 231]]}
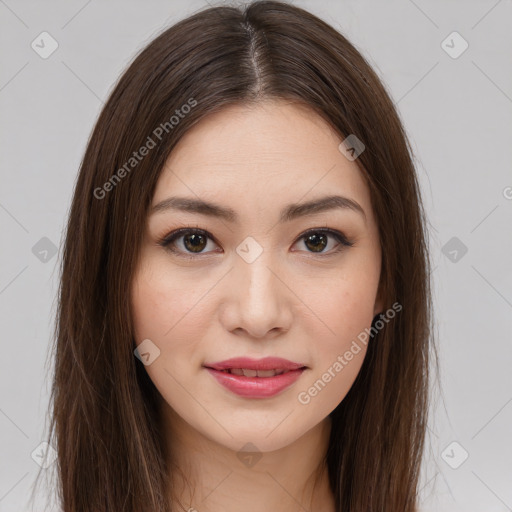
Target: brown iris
{"points": [[195, 242], [317, 241]]}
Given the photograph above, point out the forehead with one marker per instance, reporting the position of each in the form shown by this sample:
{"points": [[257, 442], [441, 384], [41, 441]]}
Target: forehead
{"points": [[259, 156]]}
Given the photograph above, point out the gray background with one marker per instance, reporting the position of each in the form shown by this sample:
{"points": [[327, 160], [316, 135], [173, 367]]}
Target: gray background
{"points": [[458, 114]]}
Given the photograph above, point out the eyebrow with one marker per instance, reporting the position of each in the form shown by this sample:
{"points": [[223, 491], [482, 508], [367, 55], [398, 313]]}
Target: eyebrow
{"points": [[288, 213]]}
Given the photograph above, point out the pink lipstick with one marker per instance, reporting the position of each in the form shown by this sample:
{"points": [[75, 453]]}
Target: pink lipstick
{"points": [[256, 378]]}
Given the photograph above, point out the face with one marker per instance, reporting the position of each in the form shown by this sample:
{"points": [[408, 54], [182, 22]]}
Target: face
{"points": [[256, 278]]}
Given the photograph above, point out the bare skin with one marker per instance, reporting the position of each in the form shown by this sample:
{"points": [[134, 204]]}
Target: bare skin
{"points": [[303, 299]]}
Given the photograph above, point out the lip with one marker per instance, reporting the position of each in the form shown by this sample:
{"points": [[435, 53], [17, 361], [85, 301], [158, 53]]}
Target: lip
{"points": [[267, 363], [256, 387]]}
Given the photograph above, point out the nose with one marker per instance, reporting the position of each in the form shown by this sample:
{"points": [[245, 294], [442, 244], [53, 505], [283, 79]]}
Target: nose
{"points": [[257, 299]]}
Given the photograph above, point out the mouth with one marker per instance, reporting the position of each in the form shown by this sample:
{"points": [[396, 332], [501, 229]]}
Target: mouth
{"points": [[246, 372], [252, 378], [245, 366]]}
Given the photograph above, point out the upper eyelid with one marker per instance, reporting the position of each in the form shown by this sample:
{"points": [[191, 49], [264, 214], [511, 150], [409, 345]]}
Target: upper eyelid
{"points": [[178, 233], [182, 231]]}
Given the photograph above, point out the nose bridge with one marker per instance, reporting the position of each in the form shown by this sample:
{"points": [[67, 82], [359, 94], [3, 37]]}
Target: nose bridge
{"points": [[258, 282], [261, 299]]}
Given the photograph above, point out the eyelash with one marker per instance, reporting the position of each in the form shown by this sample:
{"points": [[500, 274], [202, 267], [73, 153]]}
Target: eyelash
{"points": [[172, 237]]}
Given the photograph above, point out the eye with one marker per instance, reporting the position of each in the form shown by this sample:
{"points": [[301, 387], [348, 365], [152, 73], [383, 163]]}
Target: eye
{"points": [[316, 240], [193, 241]]}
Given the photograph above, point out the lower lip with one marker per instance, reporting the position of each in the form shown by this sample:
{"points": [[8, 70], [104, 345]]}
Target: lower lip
{"points": [[256, 387]]}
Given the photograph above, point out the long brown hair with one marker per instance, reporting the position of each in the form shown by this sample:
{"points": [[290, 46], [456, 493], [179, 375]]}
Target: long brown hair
{"points": [[105, 424]]}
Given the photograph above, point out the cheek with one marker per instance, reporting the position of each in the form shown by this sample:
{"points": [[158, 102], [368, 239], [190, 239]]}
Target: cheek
{"points": [[347, 313], [339, 351], [344, 303], [166, 310]]}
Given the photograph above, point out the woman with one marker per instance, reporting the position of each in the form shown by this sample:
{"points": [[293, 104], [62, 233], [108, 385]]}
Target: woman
{"points": [[245, 311]]}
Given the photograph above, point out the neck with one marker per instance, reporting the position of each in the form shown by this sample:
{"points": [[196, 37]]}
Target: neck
{"points": [[209, 477]]}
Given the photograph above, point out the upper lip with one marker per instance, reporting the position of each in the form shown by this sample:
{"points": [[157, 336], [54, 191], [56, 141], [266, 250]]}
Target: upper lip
{"points": [[267, 363]]}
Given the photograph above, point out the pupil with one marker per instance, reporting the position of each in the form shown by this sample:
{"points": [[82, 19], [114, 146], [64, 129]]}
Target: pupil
{"points": [[196, 241], [315, 239]]}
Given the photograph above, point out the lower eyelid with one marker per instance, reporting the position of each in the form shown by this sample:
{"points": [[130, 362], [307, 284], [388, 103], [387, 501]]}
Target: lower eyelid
{"points": [[172, 238], [168, 241]]}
